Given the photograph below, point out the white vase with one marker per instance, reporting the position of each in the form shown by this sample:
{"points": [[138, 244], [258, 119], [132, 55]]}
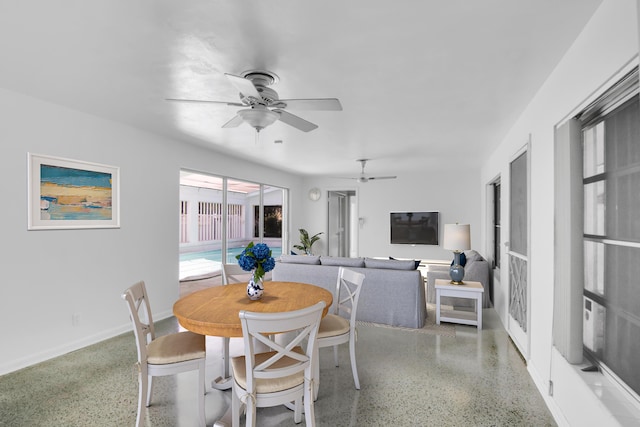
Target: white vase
{"points": [[255, 288]]}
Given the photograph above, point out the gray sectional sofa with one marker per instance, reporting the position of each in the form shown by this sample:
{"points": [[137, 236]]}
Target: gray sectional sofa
{"points": [[393, 290], [477, 269]]}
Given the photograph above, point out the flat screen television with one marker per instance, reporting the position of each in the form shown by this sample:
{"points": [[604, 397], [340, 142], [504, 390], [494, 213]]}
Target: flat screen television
{"points": [[414, 228]]}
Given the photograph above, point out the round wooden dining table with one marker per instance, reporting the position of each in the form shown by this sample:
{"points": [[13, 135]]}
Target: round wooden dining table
{"points": [[214, 311]]}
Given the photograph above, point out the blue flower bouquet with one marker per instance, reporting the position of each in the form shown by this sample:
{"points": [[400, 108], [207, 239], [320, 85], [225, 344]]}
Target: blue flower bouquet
{"points": [[256, 258]]}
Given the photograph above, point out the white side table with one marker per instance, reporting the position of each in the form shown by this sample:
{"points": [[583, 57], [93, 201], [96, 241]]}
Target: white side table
{"points": [[470, 290]]}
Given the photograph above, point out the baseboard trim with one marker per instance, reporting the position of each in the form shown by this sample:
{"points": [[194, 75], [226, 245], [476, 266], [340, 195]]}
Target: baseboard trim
{"points": [[25, 362], [543, 388]]}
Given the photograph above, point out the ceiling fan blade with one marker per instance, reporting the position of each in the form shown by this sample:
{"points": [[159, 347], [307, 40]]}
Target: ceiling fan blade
{"points": [[244, 86], [235, 122], [202, 101], [381, 177], [295, 121], [319, 104]]}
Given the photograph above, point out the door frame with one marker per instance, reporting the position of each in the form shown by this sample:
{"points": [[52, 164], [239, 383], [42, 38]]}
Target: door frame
{"points": [[354, 213], [520, 338]]}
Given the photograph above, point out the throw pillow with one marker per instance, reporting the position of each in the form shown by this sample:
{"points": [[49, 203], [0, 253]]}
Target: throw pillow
{"points": [[417, 262], [473, 256], [390, 264], [342, 261], [300, 259]]}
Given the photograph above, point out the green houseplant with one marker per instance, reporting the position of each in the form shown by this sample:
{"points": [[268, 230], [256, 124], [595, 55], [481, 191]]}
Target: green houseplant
{"points": [[306, 242]]}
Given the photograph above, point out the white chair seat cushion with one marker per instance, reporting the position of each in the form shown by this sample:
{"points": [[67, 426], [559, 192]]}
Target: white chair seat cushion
{"points": [[177, 347], [332, 325], [264, 385]]}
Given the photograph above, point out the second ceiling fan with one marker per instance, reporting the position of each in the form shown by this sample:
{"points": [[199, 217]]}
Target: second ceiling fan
{"points": [[264, 105], [366, 178]]}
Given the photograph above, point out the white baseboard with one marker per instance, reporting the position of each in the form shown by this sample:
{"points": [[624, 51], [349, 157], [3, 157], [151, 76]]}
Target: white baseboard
{"points": [[51, 353], [543, 388]]}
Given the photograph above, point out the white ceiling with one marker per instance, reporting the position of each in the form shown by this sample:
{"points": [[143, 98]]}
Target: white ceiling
{"points": [[417, 79]]}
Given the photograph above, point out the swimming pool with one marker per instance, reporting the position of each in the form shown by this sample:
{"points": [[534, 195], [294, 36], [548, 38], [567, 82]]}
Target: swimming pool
{"points": [[195, 264], [216, 255]]}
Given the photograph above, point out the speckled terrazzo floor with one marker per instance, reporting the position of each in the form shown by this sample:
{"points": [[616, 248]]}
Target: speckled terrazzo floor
{"points": [[476, 378]]}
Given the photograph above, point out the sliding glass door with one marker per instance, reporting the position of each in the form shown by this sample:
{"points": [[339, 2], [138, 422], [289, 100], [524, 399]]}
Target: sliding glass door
{"points": [[219, 216]]}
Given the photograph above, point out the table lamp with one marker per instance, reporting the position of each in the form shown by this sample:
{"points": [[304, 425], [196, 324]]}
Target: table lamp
{"points": [[457, 238]]}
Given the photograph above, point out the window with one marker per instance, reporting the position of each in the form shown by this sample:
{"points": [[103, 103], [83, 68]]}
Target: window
{"points": [[219, 216], [611, 232], [183, 221], [272, 221]]}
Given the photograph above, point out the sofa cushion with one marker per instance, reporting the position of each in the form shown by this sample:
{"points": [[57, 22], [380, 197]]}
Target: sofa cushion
{"points": [[473, 256], [416, 262], [341, 261], [389, 264], [300, 259]]}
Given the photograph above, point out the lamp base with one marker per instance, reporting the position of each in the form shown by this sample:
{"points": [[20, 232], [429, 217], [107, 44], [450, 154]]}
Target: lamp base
{"points": [[456, 271]]}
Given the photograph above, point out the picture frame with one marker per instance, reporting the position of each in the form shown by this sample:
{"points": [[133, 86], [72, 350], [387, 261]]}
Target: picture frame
{"points": [[71, 194]]}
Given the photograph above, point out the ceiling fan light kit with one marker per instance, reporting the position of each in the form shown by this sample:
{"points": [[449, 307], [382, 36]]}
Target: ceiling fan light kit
{"points": [[258, 118], [265, 105]]}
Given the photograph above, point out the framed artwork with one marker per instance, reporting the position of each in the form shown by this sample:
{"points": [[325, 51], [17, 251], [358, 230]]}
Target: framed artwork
{"points": [[67, 194]]}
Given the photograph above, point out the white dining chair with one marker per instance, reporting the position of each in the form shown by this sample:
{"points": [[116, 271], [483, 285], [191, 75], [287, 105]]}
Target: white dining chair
{"points": [[166, 355], [339, 326], [285, 372], [233, 273]]}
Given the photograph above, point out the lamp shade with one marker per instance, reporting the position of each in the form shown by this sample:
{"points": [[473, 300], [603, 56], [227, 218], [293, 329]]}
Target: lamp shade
{"points": [[457, 237]]}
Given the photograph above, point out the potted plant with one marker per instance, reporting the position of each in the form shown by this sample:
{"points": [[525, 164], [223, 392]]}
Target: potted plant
{"points": [[306, 242]]}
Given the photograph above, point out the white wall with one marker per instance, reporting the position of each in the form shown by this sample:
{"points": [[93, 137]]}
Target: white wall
{"points": [[607, 44], [452, 192], [50, 275]]}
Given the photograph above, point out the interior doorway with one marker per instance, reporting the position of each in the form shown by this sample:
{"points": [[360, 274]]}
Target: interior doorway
{"points": [[343, 223]]}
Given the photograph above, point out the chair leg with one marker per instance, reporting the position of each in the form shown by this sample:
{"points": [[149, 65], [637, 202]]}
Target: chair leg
{"points": [[201, 392], [142, 393], [316, 372], [250, 419], [309, 414], [335, 354], [297, 411], [149, 389], [354, 368], [236, 405]]}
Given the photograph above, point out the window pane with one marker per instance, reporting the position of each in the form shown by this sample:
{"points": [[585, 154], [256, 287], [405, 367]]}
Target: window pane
{"points": [[593, 326], [593, 146], [623, 203], [273, 234], [241, 195], [594, 267], [518, 223], [622, 136], [594, 208], [621, 354], [623, 279]]}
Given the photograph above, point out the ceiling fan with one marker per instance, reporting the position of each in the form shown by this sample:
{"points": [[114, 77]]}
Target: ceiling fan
{"points": [[264, 106], [364, 178]]}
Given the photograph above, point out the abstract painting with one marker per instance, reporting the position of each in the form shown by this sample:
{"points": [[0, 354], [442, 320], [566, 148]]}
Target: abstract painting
{"points": [[66, 193]]}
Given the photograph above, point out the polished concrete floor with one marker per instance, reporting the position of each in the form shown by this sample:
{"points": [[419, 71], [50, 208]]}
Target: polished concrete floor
{"points": [[474, 378]]}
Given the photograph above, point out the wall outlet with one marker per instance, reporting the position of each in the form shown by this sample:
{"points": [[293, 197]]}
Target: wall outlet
{"points": [[75, 319]]}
